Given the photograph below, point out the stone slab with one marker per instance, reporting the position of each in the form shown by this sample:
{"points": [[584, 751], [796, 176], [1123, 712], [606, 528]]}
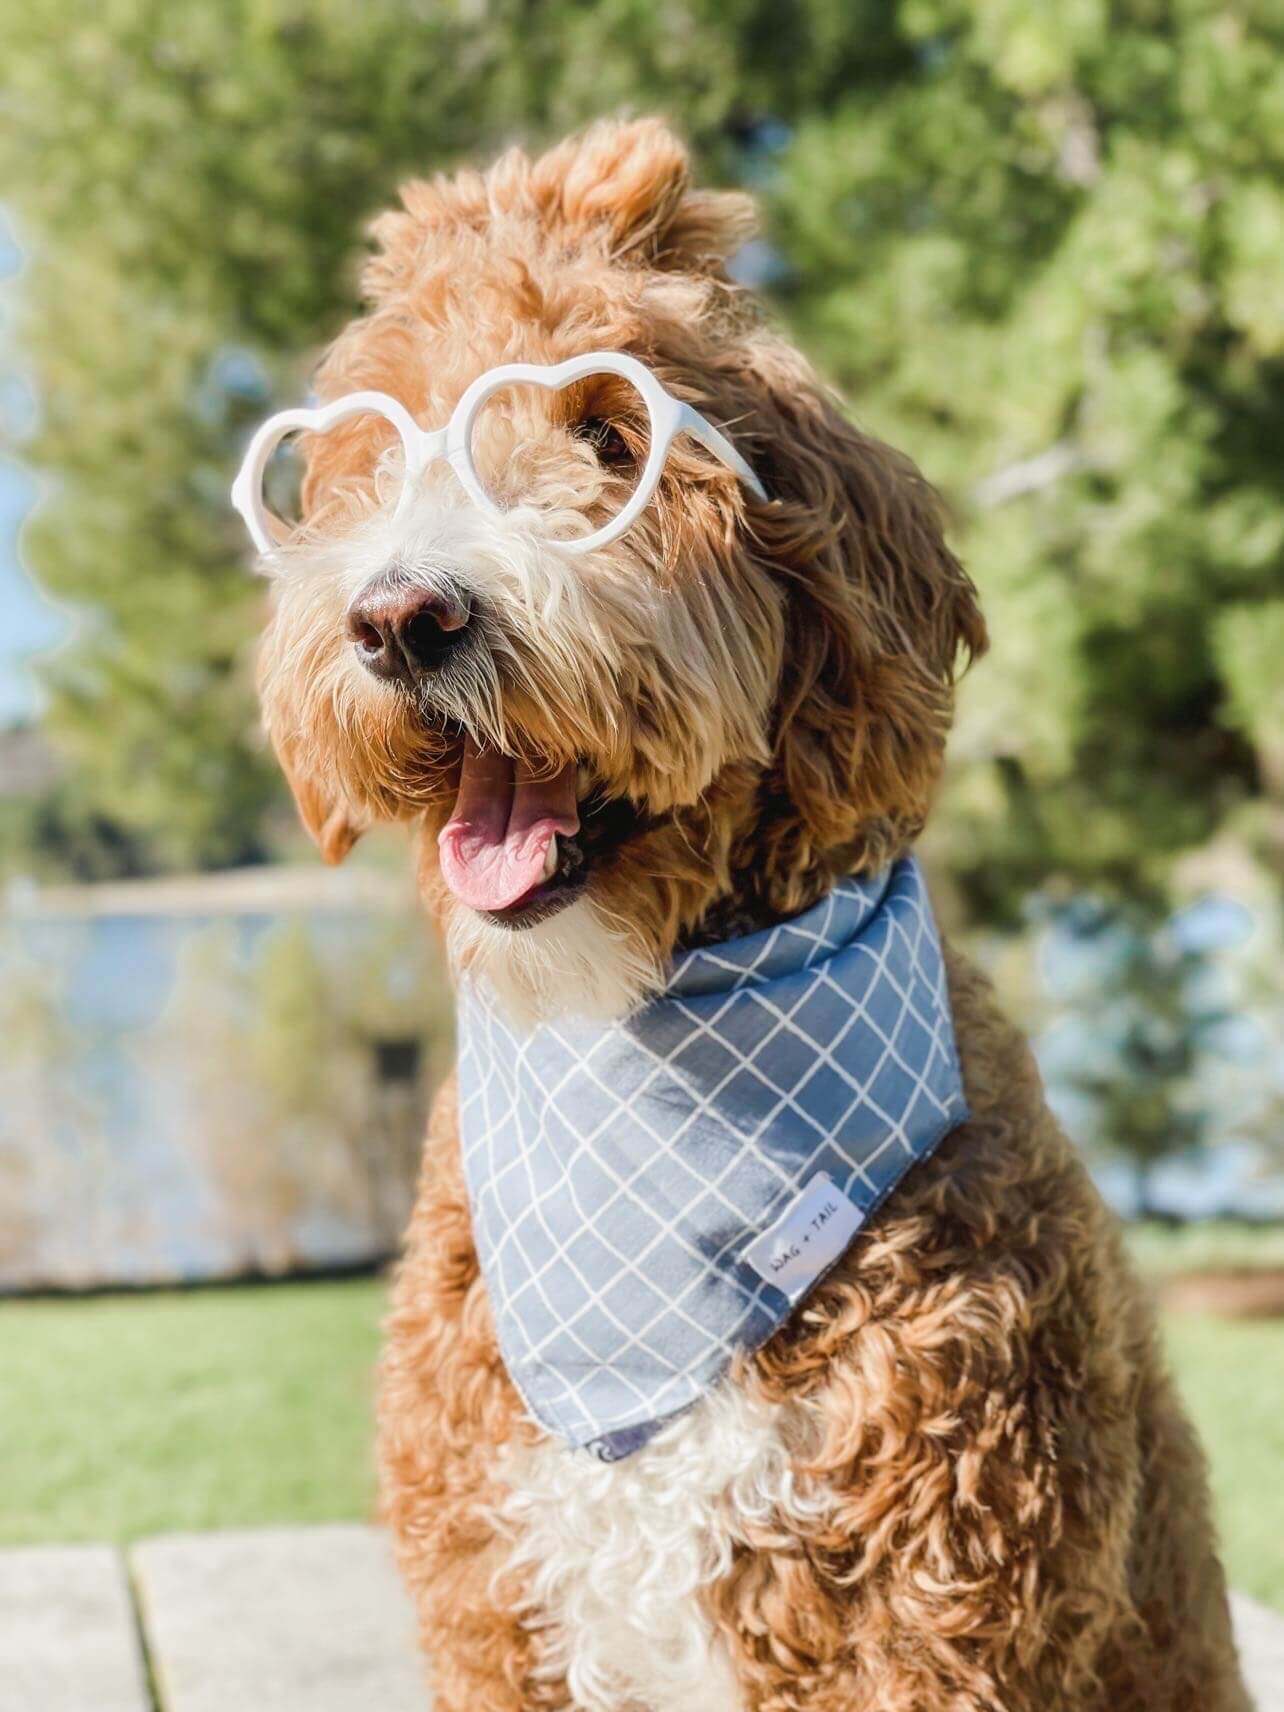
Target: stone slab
{"points": [[278, 1620], [1260, 1635], [274, 1620], [67, 1637]]}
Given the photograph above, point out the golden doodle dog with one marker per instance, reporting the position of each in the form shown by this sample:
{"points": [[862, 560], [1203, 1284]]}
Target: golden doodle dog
{"points": [[655, 652]]}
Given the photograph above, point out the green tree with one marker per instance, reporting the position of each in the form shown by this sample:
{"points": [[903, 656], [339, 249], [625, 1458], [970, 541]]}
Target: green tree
{"points": [[1050, 261], [1140, 1015]]}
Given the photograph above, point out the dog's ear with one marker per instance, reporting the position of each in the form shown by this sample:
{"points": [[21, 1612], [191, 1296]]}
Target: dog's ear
{"points": [[632, 180], [881, 614], [332, 825]]}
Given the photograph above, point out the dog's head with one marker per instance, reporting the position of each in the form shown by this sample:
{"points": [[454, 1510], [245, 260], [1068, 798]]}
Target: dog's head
{"points": [[692, 728]]}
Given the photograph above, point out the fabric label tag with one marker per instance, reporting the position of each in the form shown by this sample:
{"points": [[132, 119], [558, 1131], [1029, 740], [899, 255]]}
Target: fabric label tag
{"points": [[808, 1237]]}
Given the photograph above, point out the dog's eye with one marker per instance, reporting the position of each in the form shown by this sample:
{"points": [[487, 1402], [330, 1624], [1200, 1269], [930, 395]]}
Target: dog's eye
{"points": [[609, 445]]}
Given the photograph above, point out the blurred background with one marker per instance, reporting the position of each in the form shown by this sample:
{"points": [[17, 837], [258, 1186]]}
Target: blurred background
{"points": [[1039, 247]]}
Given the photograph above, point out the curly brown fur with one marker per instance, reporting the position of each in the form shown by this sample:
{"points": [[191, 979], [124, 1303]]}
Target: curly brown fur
{"points": [[1018, 1481], [1014, 1513]]}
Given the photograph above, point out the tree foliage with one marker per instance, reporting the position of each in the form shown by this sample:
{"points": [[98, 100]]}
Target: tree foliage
{"points": [[1051, 262], [1041, 248]]}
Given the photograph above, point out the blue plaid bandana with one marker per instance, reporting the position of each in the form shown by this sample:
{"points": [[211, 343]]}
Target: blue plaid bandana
{"points": [[652, 1197]]}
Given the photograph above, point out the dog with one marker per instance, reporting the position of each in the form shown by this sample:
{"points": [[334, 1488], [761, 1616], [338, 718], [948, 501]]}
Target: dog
{"points": [[955, 1476]]}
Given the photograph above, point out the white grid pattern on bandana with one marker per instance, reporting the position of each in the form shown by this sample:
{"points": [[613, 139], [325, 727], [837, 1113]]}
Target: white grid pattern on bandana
{"points": [[618, 1173]]}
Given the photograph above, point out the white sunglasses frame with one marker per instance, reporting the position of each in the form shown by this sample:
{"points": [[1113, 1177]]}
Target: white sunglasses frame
{"points": [[669, 417]]}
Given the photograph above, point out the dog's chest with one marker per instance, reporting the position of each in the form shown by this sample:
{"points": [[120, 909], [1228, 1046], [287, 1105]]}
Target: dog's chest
{"points": [[617, 1556]]}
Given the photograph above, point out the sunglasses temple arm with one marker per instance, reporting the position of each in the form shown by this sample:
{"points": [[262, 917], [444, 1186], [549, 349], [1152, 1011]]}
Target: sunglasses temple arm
{"points": [[716, 442]]}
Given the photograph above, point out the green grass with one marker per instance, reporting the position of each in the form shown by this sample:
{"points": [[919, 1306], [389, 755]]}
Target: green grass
{"points": [[123, 1416], [1212, 1245], [129, 1415], [1231, 1373]]}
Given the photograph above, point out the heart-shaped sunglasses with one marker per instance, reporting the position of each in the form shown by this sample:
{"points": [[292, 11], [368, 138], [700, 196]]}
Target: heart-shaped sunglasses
{"points": [[667, 418]]}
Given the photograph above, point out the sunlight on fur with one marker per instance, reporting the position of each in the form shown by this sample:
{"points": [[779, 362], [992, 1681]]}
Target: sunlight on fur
{"points": [[614, 1556], [577, 963]]}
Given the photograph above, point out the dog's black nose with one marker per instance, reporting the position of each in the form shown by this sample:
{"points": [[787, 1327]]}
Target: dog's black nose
{"points": [[403, 631]]}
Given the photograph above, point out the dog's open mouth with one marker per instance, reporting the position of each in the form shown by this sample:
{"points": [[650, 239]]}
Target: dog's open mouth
{"points": [[518, 846]]}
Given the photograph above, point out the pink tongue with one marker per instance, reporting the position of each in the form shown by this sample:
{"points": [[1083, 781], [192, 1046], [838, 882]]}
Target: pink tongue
{"points": [[495, 846]]}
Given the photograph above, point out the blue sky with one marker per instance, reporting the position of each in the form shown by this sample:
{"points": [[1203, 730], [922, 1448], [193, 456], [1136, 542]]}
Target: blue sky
{"points": [[28, 622]]}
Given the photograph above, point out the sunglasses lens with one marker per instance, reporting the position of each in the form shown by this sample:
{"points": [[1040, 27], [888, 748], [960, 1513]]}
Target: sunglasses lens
{"points": [[576, 454], [361, 454], [283, 483]]}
